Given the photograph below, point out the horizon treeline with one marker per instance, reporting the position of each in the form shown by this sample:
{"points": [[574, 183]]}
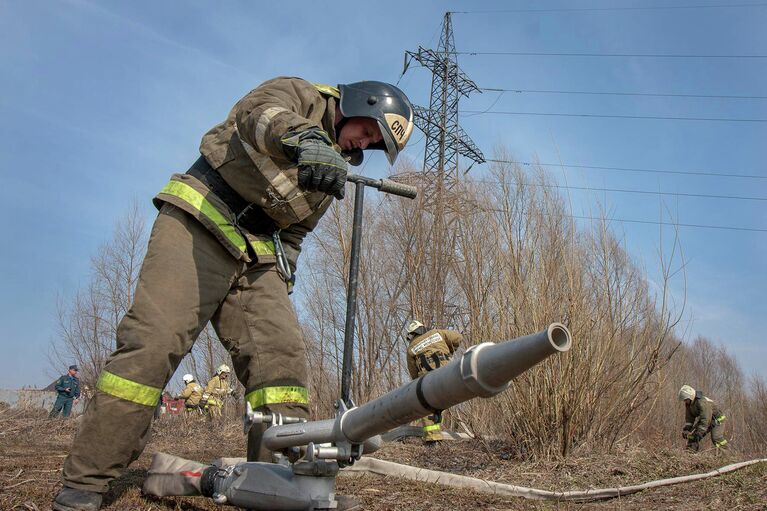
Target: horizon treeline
{"points": [[494, 258]]}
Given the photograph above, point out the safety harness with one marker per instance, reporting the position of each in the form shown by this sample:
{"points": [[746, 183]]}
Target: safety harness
{"points": [[437, 358]]}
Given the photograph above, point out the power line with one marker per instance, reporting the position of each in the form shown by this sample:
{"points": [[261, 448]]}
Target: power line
{"points": [[651, 222], [673, 224], [630, 169], [596, 9], [608, 116], [609, 55], [630, 190], [608, 93]]}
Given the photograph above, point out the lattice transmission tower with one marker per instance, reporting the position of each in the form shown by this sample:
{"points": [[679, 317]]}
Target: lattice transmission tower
{"points": [[445, 139], [440, 198]]}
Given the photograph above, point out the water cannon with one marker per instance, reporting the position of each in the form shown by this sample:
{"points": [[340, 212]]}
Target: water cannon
{"points": [[303, 477], [309, 454]]}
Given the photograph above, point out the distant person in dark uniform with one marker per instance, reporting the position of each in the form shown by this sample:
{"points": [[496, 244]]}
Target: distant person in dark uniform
{"points": [[68, 389]]}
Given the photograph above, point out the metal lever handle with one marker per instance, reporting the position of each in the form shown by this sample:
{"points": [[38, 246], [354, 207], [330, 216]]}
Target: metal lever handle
{"points": [[385, 185]]}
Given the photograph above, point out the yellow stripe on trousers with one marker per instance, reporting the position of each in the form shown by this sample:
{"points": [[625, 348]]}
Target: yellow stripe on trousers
{"points": [[129, 390], [273, 395]]}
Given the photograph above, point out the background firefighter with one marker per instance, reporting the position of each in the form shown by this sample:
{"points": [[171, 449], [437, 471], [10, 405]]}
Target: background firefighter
{"points": [[224, 248], [702, 415], [217, 390], [192, 394], [426, 351]]}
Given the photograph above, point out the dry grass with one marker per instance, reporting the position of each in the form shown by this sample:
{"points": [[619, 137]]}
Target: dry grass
{"points": [[32, 456]]}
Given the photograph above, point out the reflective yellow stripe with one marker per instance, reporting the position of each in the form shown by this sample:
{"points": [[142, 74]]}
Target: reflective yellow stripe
{"points": [[721, 442], [721, 418], [432, 427], [188, 194], [128, 390], [328, 89], [272, 395], [263, 247]]}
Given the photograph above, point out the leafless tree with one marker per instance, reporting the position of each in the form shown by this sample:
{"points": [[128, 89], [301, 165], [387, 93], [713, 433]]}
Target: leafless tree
{"points": [[513, 262], [509, 260], [88, 321]]}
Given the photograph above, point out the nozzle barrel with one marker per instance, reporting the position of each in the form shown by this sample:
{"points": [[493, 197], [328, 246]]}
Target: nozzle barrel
{"points": [[497, 365], [482, 371]]}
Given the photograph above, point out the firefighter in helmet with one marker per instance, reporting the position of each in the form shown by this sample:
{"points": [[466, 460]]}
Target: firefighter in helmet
{"points": [[217, 390], [427, 350], [192, 394], [224, 248], [702, 416]]}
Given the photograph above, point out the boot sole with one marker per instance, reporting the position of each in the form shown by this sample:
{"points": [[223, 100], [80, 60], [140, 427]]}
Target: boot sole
{"points": [[61, 507]]}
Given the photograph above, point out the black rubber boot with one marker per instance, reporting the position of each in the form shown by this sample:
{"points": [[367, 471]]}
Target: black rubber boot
{"points": [[346, 503], [69, 499]]}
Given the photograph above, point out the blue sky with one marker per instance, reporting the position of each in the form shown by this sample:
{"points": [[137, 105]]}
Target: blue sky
{"points": [[101, 101]]}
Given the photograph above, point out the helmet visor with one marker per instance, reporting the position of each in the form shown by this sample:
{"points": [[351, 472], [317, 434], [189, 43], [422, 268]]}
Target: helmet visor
{"points": [[390, 145]]}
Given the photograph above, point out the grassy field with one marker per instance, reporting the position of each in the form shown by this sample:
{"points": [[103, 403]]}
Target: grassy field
{"points": [[32, 449]]}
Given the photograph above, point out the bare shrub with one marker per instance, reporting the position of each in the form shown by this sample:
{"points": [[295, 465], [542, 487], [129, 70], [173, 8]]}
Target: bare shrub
{"points": [[510, 262]]}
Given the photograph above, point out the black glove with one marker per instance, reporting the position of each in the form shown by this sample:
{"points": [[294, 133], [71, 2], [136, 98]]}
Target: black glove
{"points": [[320, 167]]}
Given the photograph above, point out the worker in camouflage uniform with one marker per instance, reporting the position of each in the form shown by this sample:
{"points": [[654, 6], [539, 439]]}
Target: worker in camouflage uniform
{"points": [[427, 350], [217, 390], [192, 394], [702, 416], [224, 249], [67, 393]]}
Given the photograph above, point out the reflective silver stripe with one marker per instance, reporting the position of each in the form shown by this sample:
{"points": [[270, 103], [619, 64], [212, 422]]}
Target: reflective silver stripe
{"points": [[263, 124], [287, 189], [432, 339], [276, 177]]}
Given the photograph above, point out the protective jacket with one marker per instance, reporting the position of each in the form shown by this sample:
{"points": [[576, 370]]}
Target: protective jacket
{"points": [[431, 350], [192, 394], [248, 170], [68, 382], [212, 257], [216, 390], [701, 415]]}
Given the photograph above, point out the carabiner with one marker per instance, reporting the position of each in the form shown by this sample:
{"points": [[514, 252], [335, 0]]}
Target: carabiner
{"points": [[283, 265]]}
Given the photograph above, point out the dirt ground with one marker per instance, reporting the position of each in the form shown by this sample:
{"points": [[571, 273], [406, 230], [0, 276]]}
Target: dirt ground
{"points": [[32, 449]]}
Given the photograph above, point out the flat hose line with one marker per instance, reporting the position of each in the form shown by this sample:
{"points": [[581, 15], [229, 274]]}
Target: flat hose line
{"points": [[388, 468]]}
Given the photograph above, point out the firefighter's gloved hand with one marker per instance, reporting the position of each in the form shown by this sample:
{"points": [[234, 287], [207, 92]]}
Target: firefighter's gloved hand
{"points": [[685, 434], [320, 167]]}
